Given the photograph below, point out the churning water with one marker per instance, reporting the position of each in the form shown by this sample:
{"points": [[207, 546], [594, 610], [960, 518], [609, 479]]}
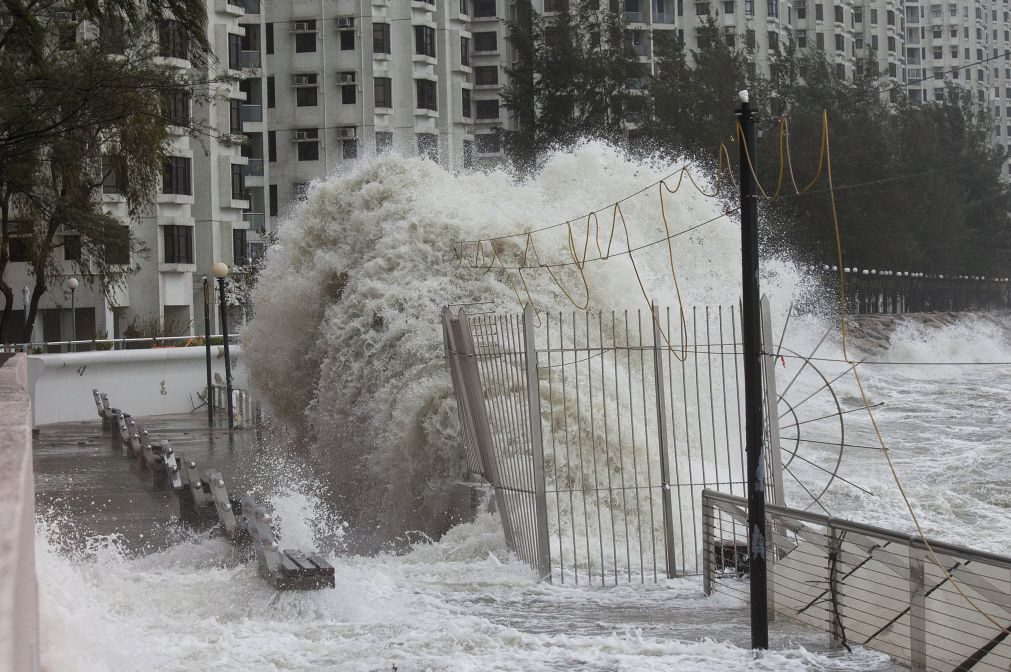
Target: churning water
{"points": [[347, 344]]}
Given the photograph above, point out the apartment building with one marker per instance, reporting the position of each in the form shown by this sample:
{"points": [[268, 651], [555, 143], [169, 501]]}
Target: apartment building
{"points": [[198, 217]]}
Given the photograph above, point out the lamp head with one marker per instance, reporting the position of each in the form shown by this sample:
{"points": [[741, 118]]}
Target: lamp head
{"points": [[220, 270], [73, 284]]}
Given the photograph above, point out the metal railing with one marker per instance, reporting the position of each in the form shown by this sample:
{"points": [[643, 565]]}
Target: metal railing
{"points": [[87, 345], [252, 113], [249, 58], [598, 439], [245, 411], [255, 220], [254, 167], [868, 586]]}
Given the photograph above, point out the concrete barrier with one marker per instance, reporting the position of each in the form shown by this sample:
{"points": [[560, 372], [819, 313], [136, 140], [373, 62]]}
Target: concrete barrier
{"points": [[156, 381], [19, 603]]}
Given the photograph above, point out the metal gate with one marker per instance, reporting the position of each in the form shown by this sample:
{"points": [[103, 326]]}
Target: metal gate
{"points": [[599, 431]]}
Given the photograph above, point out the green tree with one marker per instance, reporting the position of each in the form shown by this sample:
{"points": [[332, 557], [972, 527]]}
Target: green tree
{"points": [[79, 108], [570, 78]]}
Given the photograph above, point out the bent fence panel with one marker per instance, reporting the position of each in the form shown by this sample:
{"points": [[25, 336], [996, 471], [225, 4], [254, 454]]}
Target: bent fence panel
{"points": [[599, 432], [869, 586]]}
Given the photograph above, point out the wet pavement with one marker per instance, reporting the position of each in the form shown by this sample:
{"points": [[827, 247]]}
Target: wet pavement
{"points": [[84, 476]]}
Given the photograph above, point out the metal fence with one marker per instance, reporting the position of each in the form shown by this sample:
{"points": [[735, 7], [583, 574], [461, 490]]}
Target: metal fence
{"points": [[91, 344], [600, 431], [868, 586]]}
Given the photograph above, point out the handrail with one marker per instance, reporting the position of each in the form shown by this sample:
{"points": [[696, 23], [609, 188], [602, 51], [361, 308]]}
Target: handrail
{"points": [[154, 340], [862, 528]]}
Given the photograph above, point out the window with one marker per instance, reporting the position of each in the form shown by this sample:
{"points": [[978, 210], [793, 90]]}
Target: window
{"points": [[235, 115], [858, 15], [305, 37], [702, 8], [819, 40], [424, 41], [381, 38], [268, 32], [175, 107], [349, 149], [954, 53], [486, 41], [234, 51], [349, 94], [802, 40], [773, 8], [484, 8], [17, 249], [486, 75], [72, 248], [426, 94], [428, 146], [347, 40], [271, 146], [307, 142], [176, 178], [238, 182], [464, 51], [384, 141], [728, 7], [838, 14], [773, 39], [178, 244], [113, 174], [890, 17], [117, 245], [802, 12], [840, 43], [468, 154], [306, 91], [749, 39], [891, 44], [488, 143], [840, 71], [240, 248], [270, 91], [819, 13], [749, 9], [384, 92], [487, 109], [172, 40], [272, 198], [874, 17]]}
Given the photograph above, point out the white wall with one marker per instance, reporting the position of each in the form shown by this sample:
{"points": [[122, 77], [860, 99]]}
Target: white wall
{"points": [[142, 382]]}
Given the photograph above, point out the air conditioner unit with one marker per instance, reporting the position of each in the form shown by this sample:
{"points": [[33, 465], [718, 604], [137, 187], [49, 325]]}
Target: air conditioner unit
{"points": [[347, 133], [301, 134], [305, 26], [303, 80], [345, 77], [345, 22], [728, 30]]}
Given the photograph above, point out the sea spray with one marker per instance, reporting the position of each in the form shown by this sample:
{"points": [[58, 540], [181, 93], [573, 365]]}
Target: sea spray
{"points": [[346, 342]]}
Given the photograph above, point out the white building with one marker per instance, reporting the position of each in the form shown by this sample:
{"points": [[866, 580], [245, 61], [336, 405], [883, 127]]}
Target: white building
{"points": [[197, 216]]}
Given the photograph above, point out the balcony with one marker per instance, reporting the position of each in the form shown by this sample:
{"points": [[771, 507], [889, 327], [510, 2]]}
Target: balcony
{"points": [[254, 168], [255, 220], [252, 113], [249, 59]]}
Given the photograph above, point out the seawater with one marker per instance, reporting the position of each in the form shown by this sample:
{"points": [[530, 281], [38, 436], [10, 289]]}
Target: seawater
{"points": [[356, 360]]}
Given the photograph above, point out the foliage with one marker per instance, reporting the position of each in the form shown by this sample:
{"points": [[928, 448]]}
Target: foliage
{"points": [[569, 79], [79, 107]]}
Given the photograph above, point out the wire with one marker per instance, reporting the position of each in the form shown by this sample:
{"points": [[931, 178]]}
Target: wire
{"points": [[1006, 55]]}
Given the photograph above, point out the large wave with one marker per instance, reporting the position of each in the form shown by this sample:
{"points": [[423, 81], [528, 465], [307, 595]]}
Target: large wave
{"points": [[347, 345]]}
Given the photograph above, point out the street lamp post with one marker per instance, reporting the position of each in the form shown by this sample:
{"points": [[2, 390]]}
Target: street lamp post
{"points": [[73, 284], [220, 271], [208, 288]]}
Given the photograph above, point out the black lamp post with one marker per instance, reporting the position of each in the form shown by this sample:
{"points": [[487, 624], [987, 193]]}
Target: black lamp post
{"points": [[220, 271], [73, 284]]}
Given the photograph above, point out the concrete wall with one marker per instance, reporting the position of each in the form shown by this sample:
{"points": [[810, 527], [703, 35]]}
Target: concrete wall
{"points": [[143, 382], [19, 608]]}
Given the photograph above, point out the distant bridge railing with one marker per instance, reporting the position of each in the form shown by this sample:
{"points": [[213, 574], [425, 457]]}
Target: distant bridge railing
{"points": [[868, 586], [91, 344], [599, 432], [873, 291]]}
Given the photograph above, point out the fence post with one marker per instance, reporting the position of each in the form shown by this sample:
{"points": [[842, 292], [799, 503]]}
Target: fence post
{"points": [[917, 611], [661, 429], [473, 400], [772, 404], [835, 626], [536, 446], [708, 542]]}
